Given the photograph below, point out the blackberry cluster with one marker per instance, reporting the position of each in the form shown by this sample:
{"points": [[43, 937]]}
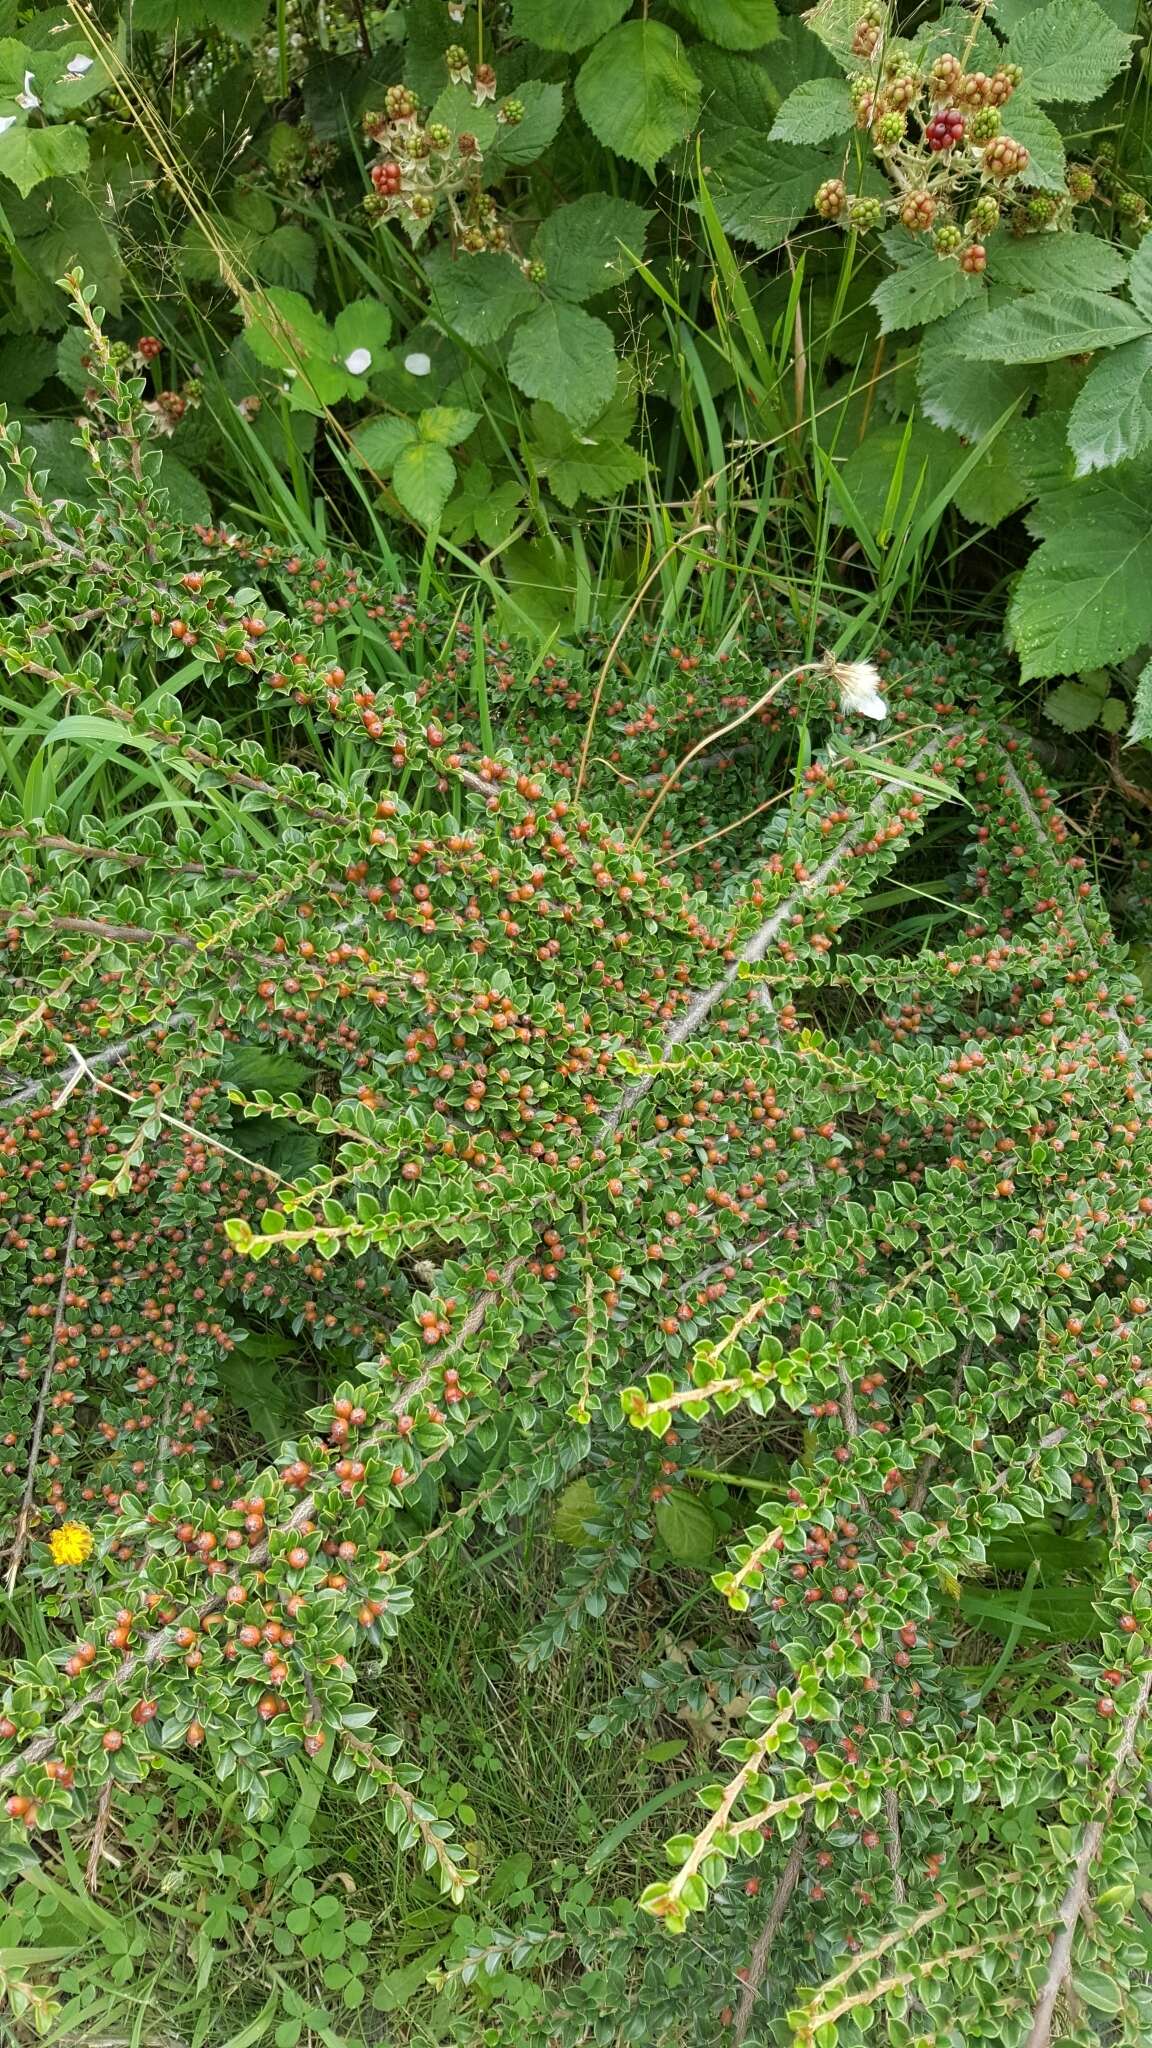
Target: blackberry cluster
{"points": [[937, 132], [424, 166]]}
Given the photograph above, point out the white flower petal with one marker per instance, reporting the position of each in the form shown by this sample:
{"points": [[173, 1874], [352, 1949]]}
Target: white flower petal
{"points": [[27, 99], [7, 121], [358, 361], [77, 66], [418, 364]]}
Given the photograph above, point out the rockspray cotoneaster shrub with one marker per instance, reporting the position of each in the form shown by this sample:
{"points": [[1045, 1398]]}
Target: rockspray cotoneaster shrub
{"points": [[569, 1150]]}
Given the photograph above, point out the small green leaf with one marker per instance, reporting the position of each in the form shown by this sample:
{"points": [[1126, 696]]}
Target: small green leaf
{"points": [[638, 92], [1111, 418], [734, 24], [478, 297], [447, 425], [584, 245], [575, 1509], [566, 356], [815, 112], [378, 442], [566, 24], [1073, 706], [922, 292], [685, 1527], [521, 142], [423, 476]]}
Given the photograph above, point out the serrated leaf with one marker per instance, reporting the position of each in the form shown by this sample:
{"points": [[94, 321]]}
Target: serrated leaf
{"points": [[1002, 480], [1084, 600], [638, 92], [566, 356], [1057, 262], [286, 257], [521, 143], [797, 54], [284, 332], [922, 292], [815, 112], [595, 464], [1111, 419], [734, 24], [761, 189], [1141, 726], [1030, 125], [1073, 707], [566, 24], [685, 1527], [583, 245], [967, 396], [423, 476], [577, 1506], [29, 155], [378, 442], [447, 425], [1044, 327], [478, 297], [1069, 50], [1140, 278]]}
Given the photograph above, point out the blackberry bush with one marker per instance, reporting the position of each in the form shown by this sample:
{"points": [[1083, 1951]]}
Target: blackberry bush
{"points": [[583, 1156]]}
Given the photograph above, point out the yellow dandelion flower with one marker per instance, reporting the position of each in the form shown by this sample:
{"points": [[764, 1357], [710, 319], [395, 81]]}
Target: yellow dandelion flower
{"points": [[71, 1543]]}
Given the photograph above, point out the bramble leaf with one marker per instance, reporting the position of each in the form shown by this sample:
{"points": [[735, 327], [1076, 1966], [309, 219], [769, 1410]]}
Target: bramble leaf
{"points": [[638, 92]]}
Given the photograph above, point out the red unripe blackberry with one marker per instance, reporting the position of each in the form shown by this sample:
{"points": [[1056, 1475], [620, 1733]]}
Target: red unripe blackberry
{"points": [[945, 130]]}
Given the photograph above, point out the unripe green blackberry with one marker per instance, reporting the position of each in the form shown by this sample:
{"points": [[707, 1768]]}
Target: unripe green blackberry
{"points": [[831, 199], [860, 88], [536, 272], [118, 353], [1131, 207], [1039, 209], [984, 125], [984, 218], [400, 104], [420, 206], [865, 214], [946, 241], [439, 136], [473, 241], [1081, 184], [511, 113], [498, 238], [456, 60], [890, 130]]}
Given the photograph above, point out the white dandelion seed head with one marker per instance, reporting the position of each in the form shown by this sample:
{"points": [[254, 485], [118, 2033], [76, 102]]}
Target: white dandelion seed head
{"points": [[859, 685]]}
